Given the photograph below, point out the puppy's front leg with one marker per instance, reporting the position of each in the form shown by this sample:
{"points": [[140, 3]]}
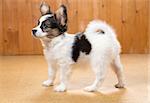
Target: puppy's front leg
{"points": [[51, 75], [64, 73]]}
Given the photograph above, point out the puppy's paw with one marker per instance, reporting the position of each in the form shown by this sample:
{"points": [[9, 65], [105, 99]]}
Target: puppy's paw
{"points": [[47, 83], [120, 85], [60, 88], [90, 88]]}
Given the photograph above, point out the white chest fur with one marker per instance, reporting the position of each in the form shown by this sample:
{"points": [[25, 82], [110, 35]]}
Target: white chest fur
{"points": [[59, 49]]}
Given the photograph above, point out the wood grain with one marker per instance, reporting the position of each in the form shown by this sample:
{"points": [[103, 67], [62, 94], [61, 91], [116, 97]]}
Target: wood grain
{"points": [[116, 17], [129, 18], [10, 27], [85, 13], [128, 29], [149, 27], [1, 29], [25, 40], [141, 26]]}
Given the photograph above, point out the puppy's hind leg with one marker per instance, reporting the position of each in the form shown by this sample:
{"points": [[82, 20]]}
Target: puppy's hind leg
{"points": [[118, 69], [100, 71]]}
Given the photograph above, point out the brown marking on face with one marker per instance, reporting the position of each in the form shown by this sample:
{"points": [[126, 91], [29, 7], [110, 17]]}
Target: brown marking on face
{"points": [[53, 33], [99, 31]]}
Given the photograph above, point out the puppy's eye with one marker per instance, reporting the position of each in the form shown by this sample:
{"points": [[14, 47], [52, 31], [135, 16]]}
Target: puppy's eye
{"points": [[45, 26]]}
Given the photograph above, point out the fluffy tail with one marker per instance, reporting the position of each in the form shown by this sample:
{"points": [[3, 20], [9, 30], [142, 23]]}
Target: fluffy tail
{"points": [[96, 25]]}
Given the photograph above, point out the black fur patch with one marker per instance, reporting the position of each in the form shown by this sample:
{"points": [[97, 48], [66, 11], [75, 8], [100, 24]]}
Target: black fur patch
{"points": [[50, 22], [81, 44]]}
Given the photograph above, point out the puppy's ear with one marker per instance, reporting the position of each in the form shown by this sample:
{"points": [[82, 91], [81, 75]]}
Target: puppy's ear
{"points": [[45, 8], [61, 15]]}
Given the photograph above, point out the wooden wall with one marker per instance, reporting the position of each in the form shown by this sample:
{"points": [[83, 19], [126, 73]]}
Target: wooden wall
{"points": [[149, 28], [130, 18]]}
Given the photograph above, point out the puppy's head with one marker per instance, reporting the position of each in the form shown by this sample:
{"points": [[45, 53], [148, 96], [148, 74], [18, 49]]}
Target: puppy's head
{"points": [[50, 24]]}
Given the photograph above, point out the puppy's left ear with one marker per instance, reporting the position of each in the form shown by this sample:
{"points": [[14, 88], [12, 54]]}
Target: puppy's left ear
{"points": [[61, 15]]}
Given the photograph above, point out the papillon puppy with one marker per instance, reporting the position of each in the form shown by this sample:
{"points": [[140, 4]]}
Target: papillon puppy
{"points": [[98, 44]]}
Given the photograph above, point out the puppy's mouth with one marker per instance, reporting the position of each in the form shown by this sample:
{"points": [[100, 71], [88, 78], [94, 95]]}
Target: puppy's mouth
{"points": [[34, 35]]}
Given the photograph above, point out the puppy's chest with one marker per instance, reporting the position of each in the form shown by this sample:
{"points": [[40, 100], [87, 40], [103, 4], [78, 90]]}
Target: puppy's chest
{"points": [[60, 50]]}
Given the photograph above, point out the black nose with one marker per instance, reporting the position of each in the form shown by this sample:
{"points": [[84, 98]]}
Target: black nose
{"points": [[34, 31]]}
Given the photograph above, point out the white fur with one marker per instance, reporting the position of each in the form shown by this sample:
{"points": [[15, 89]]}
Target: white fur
{"points": [[105, 50]]}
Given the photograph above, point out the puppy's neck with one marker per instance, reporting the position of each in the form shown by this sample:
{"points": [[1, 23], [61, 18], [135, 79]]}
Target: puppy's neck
{"points": [[46, 43], [51, 43]]}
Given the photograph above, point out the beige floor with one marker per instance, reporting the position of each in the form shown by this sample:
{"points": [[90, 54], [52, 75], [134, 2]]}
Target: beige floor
{"points": [[21, 78]]}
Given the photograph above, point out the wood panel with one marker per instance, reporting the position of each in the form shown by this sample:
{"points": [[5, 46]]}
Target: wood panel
{"points": [[130, 18], [10, 27], [128, 27], [135, 25], [85, 13], [73, 16], [25, 27], [1, 30], [149, 26], [141, 26], [116, 17]]}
